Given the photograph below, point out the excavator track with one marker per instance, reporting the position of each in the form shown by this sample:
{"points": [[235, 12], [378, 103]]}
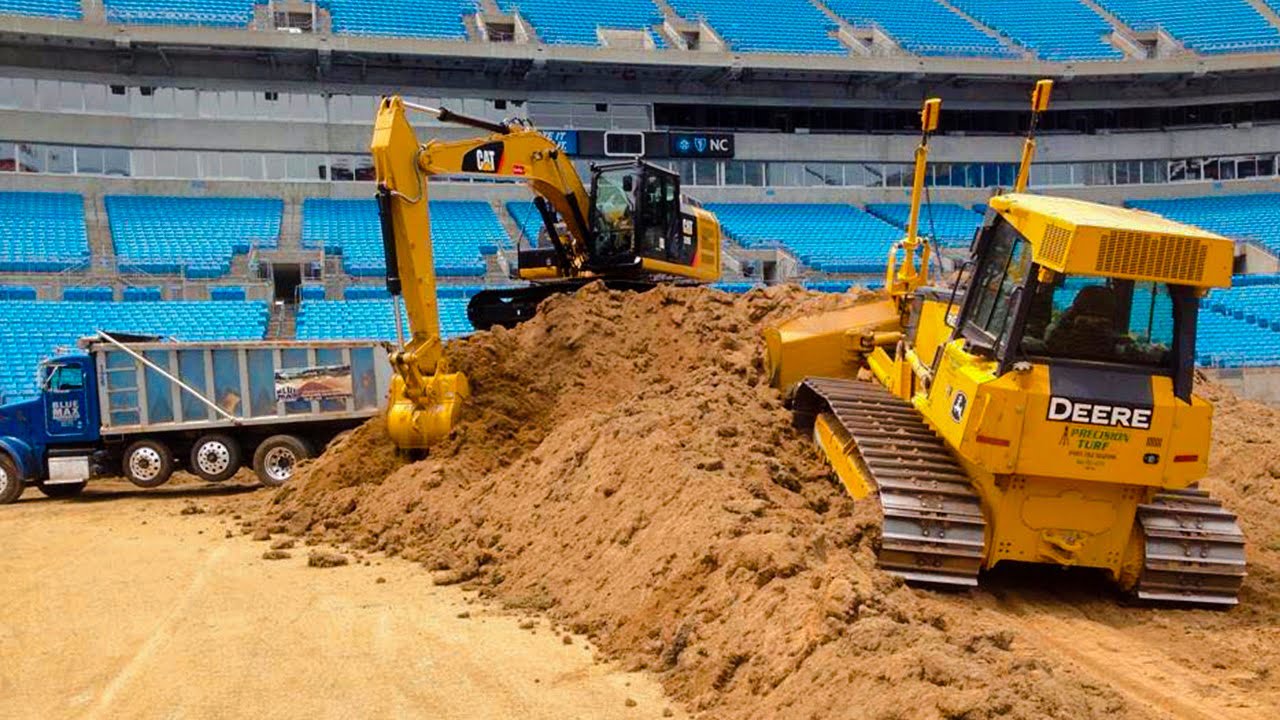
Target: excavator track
{"points": [[933, 530], [1194, 550]]}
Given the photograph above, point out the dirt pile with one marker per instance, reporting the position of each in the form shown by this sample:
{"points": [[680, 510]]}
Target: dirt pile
{"points": [[625, 468]]}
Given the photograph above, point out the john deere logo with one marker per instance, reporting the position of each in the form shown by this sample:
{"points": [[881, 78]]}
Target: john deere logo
{"points": [[958, 405]]}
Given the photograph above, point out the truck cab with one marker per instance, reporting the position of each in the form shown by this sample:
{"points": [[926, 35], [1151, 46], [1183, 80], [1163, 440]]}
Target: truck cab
{"points": [[49, 440]]}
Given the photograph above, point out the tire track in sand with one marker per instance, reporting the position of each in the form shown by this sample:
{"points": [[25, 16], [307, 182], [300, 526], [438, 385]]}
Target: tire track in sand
{"points": [[1135, 669]]}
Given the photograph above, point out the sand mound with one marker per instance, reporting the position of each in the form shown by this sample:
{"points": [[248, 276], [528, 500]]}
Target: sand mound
{"points": [[625, 468]]}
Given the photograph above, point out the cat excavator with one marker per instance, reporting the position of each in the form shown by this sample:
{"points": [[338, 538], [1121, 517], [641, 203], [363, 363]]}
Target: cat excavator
{"points": [[632, 229], [1038, 408]]}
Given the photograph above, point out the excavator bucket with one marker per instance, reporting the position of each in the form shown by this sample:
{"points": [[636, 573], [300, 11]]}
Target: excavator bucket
{"points": [[827, 344], [417, 423]]}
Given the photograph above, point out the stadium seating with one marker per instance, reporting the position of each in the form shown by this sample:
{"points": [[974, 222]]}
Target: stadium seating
{"points": [[194, 236], [954, 225], [31, 331], [374, 319], [42, 232], [17, 292], [831, 238], [231, 292], [1255, 218], [527, 219], [88, 294], [1058, 30], [773, 26], [440, 19], [69, 9], [1222, 26], [216, 13], [462, 232], [922, 27], [574, 22]]}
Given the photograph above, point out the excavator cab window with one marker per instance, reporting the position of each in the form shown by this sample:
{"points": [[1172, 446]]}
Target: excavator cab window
{"points": [[613, 213], [1001, 274]]}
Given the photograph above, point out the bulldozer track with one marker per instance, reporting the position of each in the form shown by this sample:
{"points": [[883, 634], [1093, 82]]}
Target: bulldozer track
{"points": [[933, 527], [1194, 550]]}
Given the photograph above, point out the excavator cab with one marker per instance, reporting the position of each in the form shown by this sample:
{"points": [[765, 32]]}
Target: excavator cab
{"points": [[635, 214]]}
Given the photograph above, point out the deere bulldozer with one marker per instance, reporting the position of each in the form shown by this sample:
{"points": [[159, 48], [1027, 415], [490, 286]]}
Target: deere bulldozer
{"points": [[1039, 407]]}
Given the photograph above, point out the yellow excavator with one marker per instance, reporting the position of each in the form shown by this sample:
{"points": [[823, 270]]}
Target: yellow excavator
{"points": [[632, 229], [1040, 409]]}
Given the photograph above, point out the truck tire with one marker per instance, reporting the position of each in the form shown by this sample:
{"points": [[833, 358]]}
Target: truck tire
{"points": [[148, 463], [61, 490], [214, 457], [10, 480], [277, 458]]}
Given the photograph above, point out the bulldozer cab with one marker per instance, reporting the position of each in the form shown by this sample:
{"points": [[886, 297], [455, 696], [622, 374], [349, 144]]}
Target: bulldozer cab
{"points": [[1123, 300], [635, 214]]}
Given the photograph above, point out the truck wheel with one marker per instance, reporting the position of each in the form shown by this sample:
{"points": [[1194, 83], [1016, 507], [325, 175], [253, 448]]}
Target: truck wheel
{"points": [[10, 480], [215, 457], [61, 490], [148, 463], [277, 458]]}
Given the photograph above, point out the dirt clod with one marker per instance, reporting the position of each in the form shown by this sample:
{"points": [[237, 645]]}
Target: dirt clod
{"points": [[326, 559], [276, 555]]}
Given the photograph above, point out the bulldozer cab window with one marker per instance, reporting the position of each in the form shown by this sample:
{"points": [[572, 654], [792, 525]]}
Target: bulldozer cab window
{"points": [[613, 215], [1102, 320], [1004, 269]]}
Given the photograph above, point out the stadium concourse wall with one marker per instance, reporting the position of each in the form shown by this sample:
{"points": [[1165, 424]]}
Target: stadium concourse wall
{"points": [[1256, 383]]}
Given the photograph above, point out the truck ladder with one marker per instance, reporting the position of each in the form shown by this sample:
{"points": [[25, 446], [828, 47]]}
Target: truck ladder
{"points": [[933, 527]]}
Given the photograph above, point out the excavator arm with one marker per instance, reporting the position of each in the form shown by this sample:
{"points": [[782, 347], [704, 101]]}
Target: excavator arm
{"points": [[425, 398]]}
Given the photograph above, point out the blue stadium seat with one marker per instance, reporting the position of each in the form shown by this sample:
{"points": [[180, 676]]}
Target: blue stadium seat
{"points": [[830, 238], [951, 226], [574, 22], [527, 219], [440, 19], [42, 232], [214, 13], [229, 292], [1221, 26], [88, 294], [1255, 218], [462, 233], [67, 9], [922, 27], [194, 236], [32, 330], [1057, 30], [374, 319], [769, 26], [17, 292]]}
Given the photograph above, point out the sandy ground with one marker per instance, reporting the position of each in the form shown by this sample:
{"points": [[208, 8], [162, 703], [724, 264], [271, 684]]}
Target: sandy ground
{"points": [[119, 606]]}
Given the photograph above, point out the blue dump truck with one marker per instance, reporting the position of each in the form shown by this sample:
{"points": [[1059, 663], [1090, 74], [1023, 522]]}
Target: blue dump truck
{"points": [[141, 408]]}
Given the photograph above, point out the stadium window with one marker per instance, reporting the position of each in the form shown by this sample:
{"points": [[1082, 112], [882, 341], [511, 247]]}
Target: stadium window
{"points": [[47, 95], [271, 96], [1266, 165], [1246, 168], [30, 158], [7, 163], [364, 169], [61, 160], [341, 169], [186, 164], [253, 165], [185, 103], [1227, 169], [232, 165], [209, 165], [276, 166], [24, 94], [70, 97], [602, 107], [115, 161], [166, 102], [89, 161], [95, 98]]}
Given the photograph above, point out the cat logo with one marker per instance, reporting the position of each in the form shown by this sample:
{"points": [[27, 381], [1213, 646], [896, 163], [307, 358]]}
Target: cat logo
{"points": [[484, 159]]}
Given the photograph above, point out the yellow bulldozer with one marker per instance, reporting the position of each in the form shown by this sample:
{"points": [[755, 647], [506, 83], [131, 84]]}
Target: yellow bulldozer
{"points": [[1039, 407]]}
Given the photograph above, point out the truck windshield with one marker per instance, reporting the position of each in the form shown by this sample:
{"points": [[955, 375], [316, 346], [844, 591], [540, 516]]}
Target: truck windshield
{"points": [[64, 377], [1100, 319]]}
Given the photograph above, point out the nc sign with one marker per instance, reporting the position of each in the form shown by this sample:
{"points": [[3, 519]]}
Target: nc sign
{"points": [[566, 139], [710, 145]]}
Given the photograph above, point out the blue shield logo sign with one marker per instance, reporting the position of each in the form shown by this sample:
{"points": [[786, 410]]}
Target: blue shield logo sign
{"points": [[700, 144]]}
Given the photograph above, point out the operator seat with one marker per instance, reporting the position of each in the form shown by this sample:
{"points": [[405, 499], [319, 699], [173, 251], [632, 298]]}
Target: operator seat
{"points": [[1087, 328]]}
